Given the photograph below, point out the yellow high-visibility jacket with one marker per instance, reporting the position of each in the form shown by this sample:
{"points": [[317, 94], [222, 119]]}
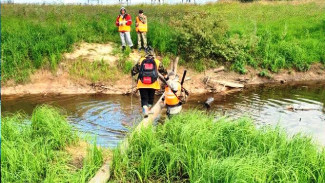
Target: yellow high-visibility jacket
{"points": [[141, 26], [127, 23]]}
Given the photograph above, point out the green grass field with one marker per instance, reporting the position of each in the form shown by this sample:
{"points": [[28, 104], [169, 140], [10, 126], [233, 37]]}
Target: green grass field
{"points": [[195, 147], [270, 36], [32, 150]]}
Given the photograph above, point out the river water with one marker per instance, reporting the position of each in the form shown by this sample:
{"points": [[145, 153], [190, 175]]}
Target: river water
{"points": [[109, 117]]}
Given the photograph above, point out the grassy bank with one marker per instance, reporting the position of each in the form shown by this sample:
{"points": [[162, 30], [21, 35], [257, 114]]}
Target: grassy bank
{"points": [[194, 147], [33, 150], [271, 36]]}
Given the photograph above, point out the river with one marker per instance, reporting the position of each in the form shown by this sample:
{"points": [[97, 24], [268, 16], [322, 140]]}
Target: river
{"points": [[109, 117]]}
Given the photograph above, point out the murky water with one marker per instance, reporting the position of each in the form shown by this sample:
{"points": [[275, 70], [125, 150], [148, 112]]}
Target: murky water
{"points": [[110, 117]]}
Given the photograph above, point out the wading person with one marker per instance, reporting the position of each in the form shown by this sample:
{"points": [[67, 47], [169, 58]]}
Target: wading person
{"points": [[141, 28], [124, 22], [174, 96], [148, 68]]}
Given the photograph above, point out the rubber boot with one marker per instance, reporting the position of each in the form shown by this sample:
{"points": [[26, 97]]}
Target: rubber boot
{"points": [[123, 48], [145, 111], [150, 107]]}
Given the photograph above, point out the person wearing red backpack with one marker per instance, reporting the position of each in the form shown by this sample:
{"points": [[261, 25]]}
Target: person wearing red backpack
{"points": [[148, 68]]}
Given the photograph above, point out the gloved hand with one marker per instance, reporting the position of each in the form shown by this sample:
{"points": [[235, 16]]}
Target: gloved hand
{"points": [[133, 73], [173, 86]]}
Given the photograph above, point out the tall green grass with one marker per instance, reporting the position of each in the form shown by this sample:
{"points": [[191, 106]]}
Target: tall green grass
{"points": [[33, 150], [195, 147], [272, 36], [94, 71]]}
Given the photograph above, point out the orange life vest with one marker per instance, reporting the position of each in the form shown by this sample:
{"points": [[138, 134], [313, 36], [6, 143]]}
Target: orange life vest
{"points": [[141, 26], [154, 85], [123, 28], [171, 98]]}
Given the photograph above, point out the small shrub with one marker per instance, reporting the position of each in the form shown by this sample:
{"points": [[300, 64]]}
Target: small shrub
{"points": [[166, 61], [265, 73], [127, 67], [322, 59], [199, 65]]}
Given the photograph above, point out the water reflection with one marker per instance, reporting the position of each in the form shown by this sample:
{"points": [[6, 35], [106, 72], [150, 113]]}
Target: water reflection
{"points": [[271, 106], [109, 117]]}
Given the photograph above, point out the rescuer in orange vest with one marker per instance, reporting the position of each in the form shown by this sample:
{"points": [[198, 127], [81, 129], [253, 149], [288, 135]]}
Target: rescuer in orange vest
{"points": [[174, 96], [148, 68], [141, 28], [123, 22]]}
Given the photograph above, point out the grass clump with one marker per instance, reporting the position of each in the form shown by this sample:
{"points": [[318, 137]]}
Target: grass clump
{"points": [[96, 71], [194, 147], [265, 73], [33, 150], [166, 61], [127, 66]]}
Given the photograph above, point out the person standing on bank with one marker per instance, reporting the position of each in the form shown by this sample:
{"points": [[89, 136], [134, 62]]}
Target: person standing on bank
{"points": [[148, 68], [141, 29], [124, 22]]}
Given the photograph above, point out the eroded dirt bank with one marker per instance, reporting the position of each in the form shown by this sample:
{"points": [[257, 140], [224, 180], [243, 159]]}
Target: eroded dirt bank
{"points": [[214, 80]]}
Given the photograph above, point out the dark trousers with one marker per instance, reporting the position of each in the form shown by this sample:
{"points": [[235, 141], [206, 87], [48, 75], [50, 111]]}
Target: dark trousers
{"points": [[147, 96]]}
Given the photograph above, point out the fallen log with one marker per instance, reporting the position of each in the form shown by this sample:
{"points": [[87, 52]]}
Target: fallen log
{"points": [[219, 69], [292, 108], [227, 83]]}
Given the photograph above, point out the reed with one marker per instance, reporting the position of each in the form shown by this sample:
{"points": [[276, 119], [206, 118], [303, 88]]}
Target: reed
{"points": [[32, 149], [195, 147]]}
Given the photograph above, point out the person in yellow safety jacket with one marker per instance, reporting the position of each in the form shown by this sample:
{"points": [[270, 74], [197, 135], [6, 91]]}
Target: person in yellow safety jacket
{"points": [[124, 22], [174, 98], [148, 68], [141, 29]]}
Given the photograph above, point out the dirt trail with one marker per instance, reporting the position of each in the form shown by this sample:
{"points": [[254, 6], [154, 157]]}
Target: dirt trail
{"points": [[46, 82]]}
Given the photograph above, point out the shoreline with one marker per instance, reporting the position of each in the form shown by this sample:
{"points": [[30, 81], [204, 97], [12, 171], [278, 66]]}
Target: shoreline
{"points": [[44, 82]]}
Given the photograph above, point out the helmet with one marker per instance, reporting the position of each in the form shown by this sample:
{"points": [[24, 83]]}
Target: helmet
{"points": [[122, 9], [173, 86], [150, 52], [173, 76]]}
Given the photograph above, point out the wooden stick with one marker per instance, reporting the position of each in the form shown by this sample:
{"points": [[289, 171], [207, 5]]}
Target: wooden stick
{"points": [[175, 65]]}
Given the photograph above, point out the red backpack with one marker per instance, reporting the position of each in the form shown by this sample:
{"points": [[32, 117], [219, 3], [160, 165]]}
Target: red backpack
{"points": [[148, 71]]}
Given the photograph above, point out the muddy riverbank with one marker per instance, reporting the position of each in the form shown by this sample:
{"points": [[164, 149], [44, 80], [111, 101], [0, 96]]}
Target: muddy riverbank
{"points": [[45, 82]]}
